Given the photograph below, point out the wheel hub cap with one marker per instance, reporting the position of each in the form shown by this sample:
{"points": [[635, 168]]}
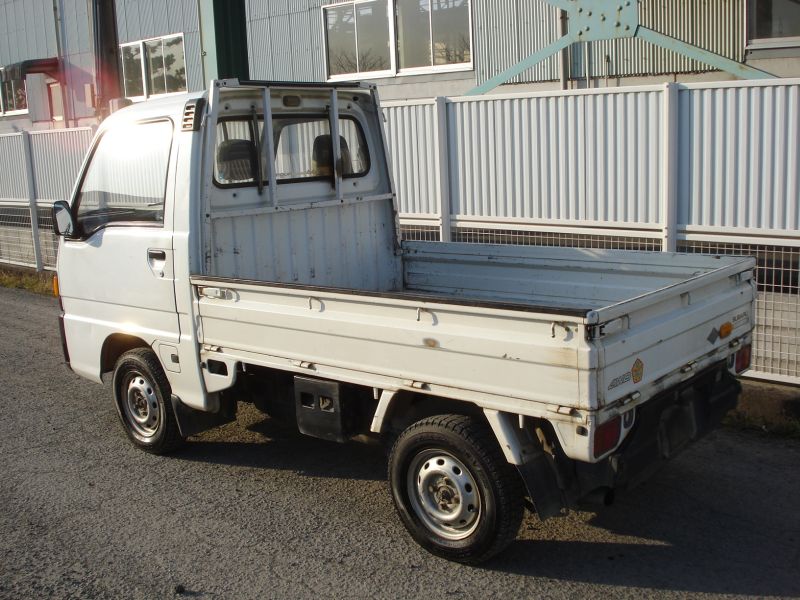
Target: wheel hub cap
{"points": [[444, 495], [141, 406]]}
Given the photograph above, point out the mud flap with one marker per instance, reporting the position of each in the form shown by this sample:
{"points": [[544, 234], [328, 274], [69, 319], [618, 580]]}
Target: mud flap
{"points": [[542, 485]]}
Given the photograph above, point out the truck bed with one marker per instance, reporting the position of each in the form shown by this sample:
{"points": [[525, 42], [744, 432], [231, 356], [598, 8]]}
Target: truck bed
{"points": [[575, 279], [520, 329]]}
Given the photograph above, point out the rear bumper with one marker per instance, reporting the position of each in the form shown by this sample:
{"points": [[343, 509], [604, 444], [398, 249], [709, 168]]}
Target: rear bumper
{"points": [[664, 426]]}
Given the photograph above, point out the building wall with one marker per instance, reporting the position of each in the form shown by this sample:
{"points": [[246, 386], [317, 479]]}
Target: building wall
{"points": [[142, 19], [27, 30], [78, 54], [286, 41], [30, 29]]}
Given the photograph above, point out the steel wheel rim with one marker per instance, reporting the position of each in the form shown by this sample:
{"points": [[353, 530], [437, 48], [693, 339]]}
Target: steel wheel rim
{"points": [[444, 494], [140, 405]]}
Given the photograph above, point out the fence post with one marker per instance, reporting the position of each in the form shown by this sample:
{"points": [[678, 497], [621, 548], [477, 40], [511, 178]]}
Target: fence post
{"points": [[37, 248], [669, 174], [443, 160]]}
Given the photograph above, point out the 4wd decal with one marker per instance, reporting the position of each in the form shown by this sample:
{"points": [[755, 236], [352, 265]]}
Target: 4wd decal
{"points": [[635, 374]]}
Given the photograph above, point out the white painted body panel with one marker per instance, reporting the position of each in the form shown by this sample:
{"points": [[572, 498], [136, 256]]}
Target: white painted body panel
{"points": [[109, 286]]}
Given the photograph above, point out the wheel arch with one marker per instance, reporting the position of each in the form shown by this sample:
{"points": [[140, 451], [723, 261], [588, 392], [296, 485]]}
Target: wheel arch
{"points": [[398, 410], [114, 346]]}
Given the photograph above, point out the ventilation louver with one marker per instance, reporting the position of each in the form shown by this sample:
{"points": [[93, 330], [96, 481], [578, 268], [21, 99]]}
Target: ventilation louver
{"points": [[193, 115]]}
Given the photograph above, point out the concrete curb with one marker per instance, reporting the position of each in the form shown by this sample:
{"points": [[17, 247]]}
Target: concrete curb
{"points": [[769, 407]]}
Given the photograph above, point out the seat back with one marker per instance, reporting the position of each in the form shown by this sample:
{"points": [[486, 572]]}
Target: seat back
{"points": [[236, 161]]}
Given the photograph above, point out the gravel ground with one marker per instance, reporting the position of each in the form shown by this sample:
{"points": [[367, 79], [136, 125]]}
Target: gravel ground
{"points": [[254, 510]]}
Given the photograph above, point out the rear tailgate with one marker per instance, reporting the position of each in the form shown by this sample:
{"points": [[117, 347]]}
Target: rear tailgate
{"points": [[649, 343]]}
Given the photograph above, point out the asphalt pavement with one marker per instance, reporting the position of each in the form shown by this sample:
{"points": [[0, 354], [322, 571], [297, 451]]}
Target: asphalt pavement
{"points": [[255, 510]]}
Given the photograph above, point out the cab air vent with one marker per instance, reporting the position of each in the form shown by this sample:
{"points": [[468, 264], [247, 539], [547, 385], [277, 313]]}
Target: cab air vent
{"points": [[193, 115]]}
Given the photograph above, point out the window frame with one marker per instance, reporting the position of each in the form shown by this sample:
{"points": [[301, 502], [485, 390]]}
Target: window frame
{"points": [[11, 113], [50, 102], [395, 70], [144, 66], [80, 233], [318, 178], [754, 43]]}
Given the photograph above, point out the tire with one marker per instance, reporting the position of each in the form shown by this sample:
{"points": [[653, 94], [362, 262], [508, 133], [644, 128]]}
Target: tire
{"points": [[142, 395], [454, 490]]}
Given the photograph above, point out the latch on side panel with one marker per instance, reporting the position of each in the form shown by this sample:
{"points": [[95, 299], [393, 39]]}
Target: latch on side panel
{"points": [[212, 292], [611, 327]]}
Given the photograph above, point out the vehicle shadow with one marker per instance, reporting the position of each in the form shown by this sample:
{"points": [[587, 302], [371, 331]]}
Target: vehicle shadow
{"points": [[690, 529], [274, 445]]}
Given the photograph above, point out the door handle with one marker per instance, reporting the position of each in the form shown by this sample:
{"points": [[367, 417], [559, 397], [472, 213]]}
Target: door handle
{"points": [[157, 260]]}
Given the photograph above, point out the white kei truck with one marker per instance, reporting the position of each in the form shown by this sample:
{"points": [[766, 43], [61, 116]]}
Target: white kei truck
{"points": [[241, 245]]}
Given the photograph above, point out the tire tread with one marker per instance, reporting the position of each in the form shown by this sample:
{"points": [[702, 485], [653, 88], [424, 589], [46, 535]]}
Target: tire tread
{"points": [[509, 487], [172, 439]]}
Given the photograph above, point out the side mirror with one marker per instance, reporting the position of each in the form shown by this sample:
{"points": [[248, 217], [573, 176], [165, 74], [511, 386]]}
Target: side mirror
{"points": [[63, 221]]}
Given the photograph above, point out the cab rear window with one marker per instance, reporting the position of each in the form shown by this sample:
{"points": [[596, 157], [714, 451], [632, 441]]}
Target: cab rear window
{"points": [[303, 150]]}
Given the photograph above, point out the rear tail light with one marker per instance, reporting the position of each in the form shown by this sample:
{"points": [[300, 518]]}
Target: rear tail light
{"points": [[743, 357], [606, 437]]}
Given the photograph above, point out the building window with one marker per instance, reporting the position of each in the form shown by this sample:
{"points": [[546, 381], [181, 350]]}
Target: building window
{"points": [[380, 38], [13, 97], [358, 38], [153, 67], [774, 23], [432, 33]]}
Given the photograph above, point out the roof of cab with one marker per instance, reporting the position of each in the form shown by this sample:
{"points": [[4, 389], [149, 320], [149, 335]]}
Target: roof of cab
{"points": [[170, 107]]}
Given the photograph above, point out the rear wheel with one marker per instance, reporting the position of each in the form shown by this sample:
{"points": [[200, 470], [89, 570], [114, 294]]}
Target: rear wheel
{"points": [[453, 489], [142, 395]]}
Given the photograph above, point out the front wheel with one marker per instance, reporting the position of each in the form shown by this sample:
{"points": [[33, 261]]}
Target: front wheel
{"points": [[142, 396], [453, 489]]}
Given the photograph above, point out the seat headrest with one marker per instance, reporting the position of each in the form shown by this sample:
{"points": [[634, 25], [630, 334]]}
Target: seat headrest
{"points": [[322, 159], [236, 161]]}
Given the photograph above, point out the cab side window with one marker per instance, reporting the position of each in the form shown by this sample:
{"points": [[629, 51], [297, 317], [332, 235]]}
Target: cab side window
{"points": [[127, 177]]}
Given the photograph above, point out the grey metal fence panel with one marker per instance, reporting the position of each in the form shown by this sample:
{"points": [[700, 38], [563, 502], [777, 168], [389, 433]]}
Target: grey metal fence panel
{"points": [[411, 134], [571, 157], [12, 167], [740, 157], [57, 157], [16, 238]]}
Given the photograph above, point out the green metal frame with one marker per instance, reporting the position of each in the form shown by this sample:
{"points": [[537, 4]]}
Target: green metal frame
{"points": [[594, 20]]}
